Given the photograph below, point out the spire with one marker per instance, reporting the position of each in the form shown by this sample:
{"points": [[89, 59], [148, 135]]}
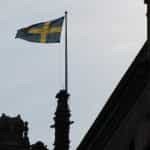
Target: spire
{"points": [[62, 122]]}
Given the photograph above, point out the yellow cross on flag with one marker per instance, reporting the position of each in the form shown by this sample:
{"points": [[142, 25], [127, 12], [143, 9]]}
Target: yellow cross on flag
{"points": [[45, 32]]}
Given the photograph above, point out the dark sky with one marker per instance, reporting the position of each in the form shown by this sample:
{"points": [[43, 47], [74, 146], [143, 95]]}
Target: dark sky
{"points": [[103, 38]]}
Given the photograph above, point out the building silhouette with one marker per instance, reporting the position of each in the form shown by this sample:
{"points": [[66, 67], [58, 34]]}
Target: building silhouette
{"points": [[124, 122], [14, 135], [14, 131], [62, 122]]}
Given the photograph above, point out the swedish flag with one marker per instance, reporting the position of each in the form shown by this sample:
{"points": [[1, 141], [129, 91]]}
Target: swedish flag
{"points": [[45, 32]]}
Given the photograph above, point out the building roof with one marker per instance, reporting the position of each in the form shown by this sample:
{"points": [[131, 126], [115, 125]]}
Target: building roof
{"points": [[120, 102]]}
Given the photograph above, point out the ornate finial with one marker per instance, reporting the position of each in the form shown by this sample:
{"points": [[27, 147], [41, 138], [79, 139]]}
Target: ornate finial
{"points": [[62, 94], [62, 121]]}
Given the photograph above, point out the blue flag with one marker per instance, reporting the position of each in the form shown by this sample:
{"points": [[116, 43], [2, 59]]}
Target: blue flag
{"points": [[45, 32]]}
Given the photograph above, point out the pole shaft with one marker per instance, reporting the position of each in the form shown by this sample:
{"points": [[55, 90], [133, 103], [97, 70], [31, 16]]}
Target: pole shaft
{"points": [[66, 52]]}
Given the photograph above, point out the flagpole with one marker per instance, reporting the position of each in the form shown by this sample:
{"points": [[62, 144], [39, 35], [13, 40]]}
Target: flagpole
{"points": [[66, 52]]}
